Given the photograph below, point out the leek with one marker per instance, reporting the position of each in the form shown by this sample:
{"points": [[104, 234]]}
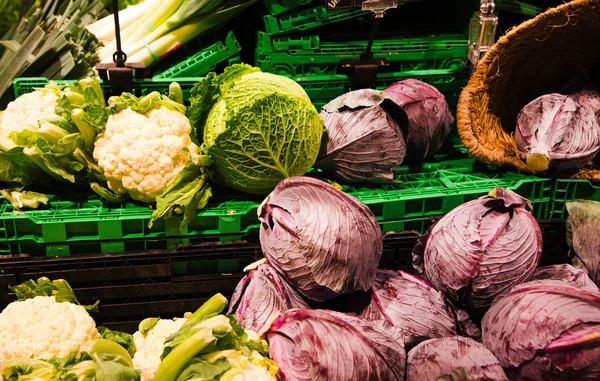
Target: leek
{"points": [[140, 28], [153, 51], [104, 29]]}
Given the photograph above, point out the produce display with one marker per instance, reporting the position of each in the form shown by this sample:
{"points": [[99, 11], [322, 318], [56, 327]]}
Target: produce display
{"points": [[367, 323], [312, 286]]}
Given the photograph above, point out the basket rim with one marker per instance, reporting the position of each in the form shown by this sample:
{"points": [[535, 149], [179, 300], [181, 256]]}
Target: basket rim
{"points": [[476, 82]]}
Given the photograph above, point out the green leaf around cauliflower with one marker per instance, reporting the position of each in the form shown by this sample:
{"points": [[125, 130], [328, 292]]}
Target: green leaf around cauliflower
{"points": [[59, 288]]}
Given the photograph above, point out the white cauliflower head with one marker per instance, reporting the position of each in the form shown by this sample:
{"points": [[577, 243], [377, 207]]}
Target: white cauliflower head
{"points": [[149, 348], [43, 328], [141, 154], [28, 109]]}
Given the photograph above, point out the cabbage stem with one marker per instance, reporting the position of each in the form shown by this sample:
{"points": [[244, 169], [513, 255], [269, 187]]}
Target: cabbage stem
{"points": [[538, 162]]}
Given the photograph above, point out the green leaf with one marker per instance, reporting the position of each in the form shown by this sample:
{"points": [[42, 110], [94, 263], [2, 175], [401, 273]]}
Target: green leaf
{"points": [[146, 325], [206, 93], [123, 339], [189, 191], [58, 288], [205, 370], [260, 145], [111, 367], [24, 199], [16, 168], [27, 369]]}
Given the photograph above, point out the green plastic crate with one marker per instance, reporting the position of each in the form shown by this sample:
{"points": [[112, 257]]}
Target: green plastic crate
{"points": [[566, 190], [76, 224], [73, 225], [323, 89], [309, 56], [308, 19], [277, 7], [436, 193], [140, 87], [519, 7], [205, 60]]}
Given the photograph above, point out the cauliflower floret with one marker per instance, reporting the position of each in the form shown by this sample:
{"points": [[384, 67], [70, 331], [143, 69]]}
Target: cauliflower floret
{"points": [[27, 110], [149, 348], [43, 328], [142, 154]]}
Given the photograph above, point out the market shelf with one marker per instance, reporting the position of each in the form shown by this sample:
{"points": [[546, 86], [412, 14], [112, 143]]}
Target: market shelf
{"points": [[277, 7], [205, 60], [307, 55], [140, 86], [566, 190], [308, 19]]}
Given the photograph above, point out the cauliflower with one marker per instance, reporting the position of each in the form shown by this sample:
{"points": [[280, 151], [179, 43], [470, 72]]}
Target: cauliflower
{"points": [[149, 346], [42, 328], [27, 110], [141, 154]]}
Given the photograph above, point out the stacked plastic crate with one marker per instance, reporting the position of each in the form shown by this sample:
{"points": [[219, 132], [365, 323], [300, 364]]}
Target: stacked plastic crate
{"points": [[292, 45]]}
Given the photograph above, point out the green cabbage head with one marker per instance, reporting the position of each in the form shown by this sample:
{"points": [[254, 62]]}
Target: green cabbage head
{"points": [[258, 128]]}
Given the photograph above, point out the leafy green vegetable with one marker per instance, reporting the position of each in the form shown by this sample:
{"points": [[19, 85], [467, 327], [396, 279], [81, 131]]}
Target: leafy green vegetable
{"points": [[58, 288], [9, 9], [210, 346], [205, 370], [107, 361], [258, 128], [189, 192], [51, 41], [583, 225], [123, 339], [24, 199]]}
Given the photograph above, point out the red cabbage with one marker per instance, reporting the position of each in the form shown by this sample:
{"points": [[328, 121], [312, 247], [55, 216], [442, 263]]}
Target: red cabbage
{"points": [[260, 296], [546, 330], [557, 132], [576, 277], [364, 140], [450, 355], [321, 345], [583, 227], [481, 248], [323, 241], [412, 305], [430, 118]]}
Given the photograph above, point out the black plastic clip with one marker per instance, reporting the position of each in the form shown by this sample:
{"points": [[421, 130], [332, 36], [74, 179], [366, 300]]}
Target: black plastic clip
{"points": [[364, 70], [120, 73]]}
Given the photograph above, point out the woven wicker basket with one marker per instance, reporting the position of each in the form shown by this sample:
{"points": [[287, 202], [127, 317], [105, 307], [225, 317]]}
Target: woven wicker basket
{"points": [[532, 59]]}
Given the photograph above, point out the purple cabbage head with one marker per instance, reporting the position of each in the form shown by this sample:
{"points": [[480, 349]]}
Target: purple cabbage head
{"points": [[364, 140], [574, 276], [481, 249], [412, 305], [260, 296], [453, 359], [555, 131], [546, 330], [323, 241], [322, 345], [430, 118], [583, 225]]}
